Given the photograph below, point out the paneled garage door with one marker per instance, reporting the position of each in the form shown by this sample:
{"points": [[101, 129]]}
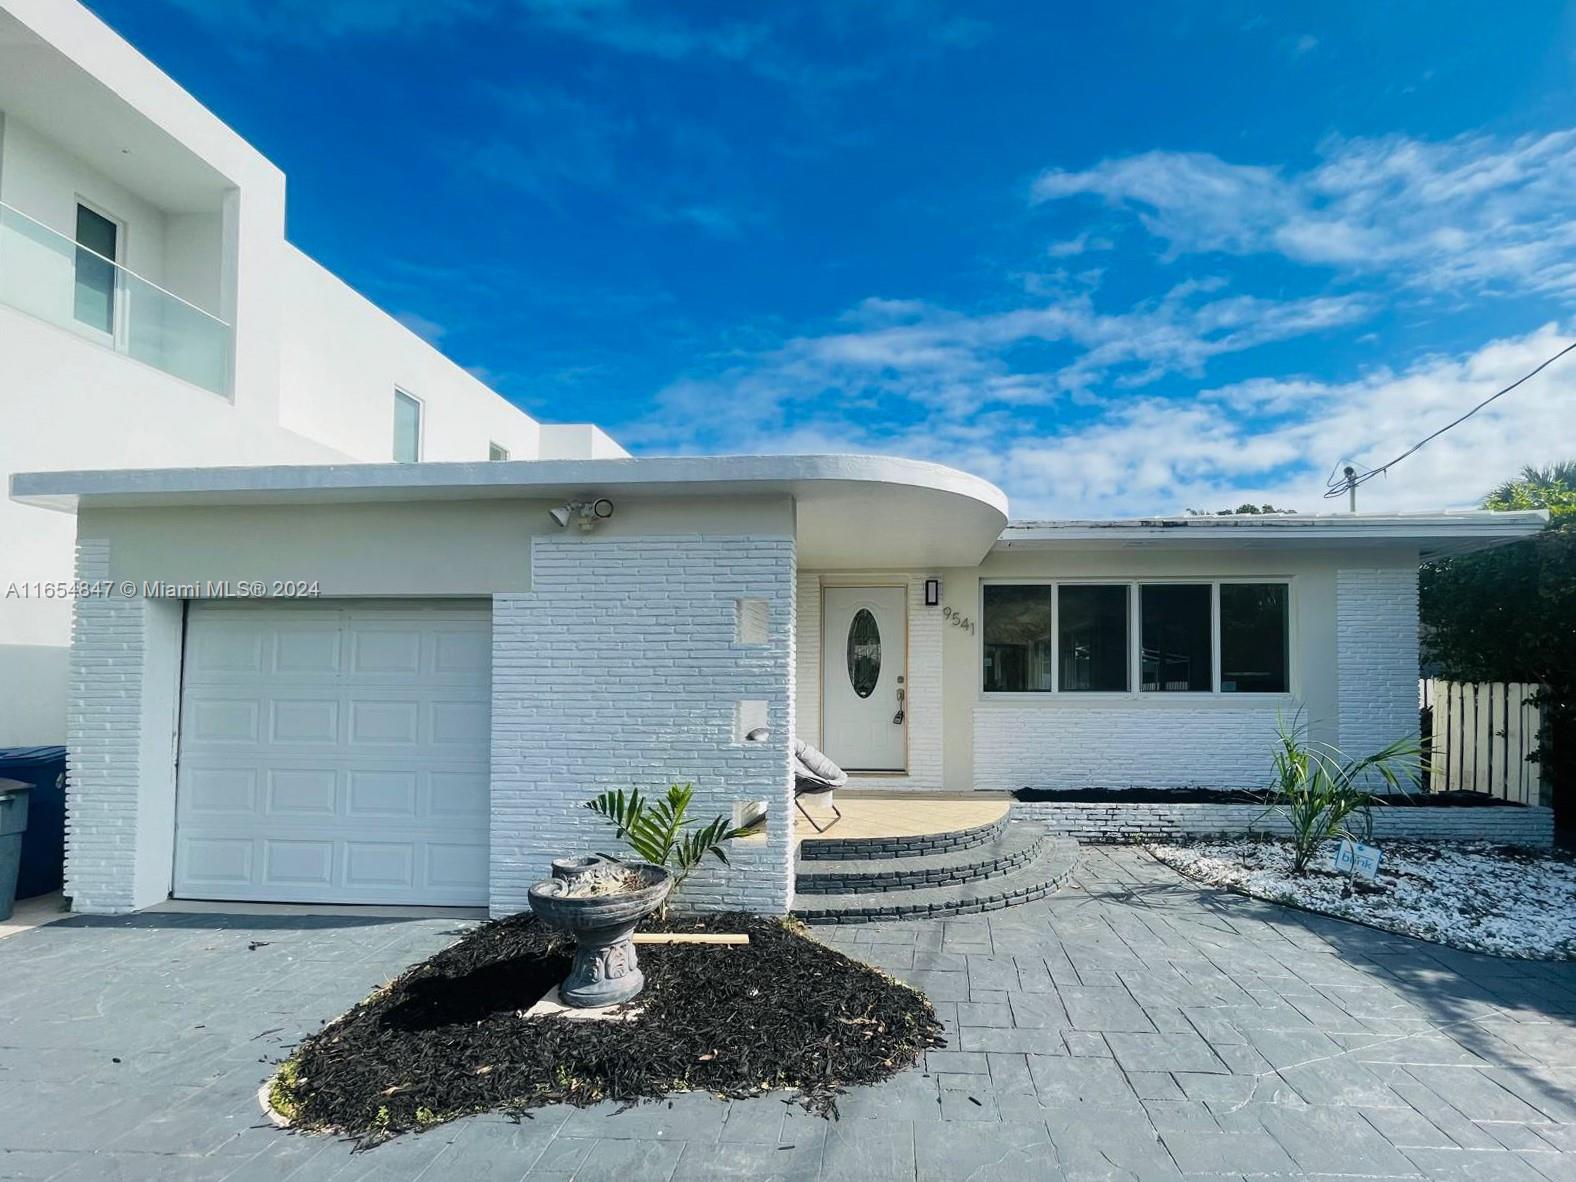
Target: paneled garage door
{"points": [[334, 753]]}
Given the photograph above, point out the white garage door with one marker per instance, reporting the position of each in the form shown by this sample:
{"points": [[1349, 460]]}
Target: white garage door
{"points": [[334, 753]]}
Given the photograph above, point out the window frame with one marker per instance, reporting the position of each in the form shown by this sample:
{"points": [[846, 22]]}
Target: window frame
{"points": [[497, 453], [421, 426], [1214, 696]]}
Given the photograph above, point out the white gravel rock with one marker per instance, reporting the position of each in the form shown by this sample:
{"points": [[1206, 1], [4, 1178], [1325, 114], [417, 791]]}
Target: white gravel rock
{"points": [[1475, 896]]}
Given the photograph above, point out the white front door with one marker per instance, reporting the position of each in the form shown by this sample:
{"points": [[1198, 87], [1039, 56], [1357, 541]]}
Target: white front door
{"points": [[864, 678], [335, 753]]}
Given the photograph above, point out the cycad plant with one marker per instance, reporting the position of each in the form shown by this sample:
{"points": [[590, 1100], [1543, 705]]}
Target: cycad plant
{"points": [[1318, 790], [659, 832]]}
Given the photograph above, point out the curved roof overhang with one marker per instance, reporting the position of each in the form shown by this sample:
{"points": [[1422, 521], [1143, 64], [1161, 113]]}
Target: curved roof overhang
{"points": [[853, 512]]}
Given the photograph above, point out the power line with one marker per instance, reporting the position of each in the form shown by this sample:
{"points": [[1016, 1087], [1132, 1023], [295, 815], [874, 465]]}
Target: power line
{"points": [[1337, 488]]}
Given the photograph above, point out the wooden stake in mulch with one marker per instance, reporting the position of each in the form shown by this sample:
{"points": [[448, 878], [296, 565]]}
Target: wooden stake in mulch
{"points": [[690, 938], [734, 1004]]}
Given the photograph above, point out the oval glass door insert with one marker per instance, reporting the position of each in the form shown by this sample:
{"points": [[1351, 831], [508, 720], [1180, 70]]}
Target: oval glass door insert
{"points": [[864, 652]]}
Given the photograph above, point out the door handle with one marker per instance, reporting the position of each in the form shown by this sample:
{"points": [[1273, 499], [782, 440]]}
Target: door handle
{"points": [[897, 719]]}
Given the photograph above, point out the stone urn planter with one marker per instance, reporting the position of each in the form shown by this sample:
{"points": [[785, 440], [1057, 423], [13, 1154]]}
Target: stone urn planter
{"points": [[599, 902]]}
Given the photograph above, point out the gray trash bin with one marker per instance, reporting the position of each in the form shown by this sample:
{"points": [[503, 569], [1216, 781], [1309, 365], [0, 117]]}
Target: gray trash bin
{"points": [[13, 822]]}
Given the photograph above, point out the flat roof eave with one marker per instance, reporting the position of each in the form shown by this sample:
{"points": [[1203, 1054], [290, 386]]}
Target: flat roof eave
{"points": [[853, 511], [1434, 535]]}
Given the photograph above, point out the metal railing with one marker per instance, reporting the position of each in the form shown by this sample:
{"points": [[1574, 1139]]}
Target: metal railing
{"points": [[46, 274]]}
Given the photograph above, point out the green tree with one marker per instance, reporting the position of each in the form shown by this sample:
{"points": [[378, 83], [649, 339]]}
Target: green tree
{"points": [[1552, 487], [1243, 510], [1510, 615]]}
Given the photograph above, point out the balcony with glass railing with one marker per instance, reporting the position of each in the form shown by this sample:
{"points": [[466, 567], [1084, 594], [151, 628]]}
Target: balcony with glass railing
{"points": [[48, 275]]}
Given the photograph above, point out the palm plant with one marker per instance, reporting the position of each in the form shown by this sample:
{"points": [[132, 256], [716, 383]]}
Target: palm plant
{"points": [[659, 831], [1318, 790], [1552, 487]]}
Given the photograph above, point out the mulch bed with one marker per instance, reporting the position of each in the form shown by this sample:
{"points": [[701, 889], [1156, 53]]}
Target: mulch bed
{"points": [[1245, 796], [446, 1038]]}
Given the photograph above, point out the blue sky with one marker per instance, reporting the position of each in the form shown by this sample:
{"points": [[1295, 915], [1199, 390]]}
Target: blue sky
{"points": [[1119, 262]]}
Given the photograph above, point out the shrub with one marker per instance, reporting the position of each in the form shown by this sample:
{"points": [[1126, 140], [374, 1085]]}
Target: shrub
{"points": [[1318, 790], [660, 833]]}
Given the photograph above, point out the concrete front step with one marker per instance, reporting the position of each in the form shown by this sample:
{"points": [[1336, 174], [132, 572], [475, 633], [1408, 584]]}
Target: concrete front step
{"points": [[1055, 862], [1012, 847], [816, 849]]}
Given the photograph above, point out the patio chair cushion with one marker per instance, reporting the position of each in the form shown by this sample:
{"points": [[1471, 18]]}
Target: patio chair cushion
{"points": [[813, 771]]}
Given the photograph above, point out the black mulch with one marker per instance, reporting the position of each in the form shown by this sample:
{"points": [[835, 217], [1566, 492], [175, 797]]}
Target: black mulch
{"points": [[1243, 796], [446, 1039]]}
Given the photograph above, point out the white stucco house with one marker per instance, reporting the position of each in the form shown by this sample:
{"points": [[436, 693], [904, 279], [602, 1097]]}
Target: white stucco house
{"points": [[299, 671], [152, 313]]}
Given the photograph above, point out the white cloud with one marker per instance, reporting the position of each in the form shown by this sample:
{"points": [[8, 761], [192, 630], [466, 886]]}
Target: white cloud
{"points": [[894, 361], [428, 330], [1266, 440], [1468, 213], [1277, 440]]}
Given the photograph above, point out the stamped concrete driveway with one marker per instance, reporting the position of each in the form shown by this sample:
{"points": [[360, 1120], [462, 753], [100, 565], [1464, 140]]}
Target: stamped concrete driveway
{"points": [[1134, 1026]]}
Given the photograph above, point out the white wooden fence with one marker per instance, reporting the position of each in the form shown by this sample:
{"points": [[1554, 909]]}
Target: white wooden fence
{"points": [[1483, 738]]}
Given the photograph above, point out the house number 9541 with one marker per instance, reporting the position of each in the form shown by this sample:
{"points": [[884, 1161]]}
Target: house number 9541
{"points": [[957, 619]]}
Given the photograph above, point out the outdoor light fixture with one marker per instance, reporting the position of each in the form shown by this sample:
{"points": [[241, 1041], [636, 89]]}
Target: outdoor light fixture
{"points": [[585, 514], [932, 592]]}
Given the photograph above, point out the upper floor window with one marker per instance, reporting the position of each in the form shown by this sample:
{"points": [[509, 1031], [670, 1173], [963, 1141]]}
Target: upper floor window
{"points": [[497, 451], [407, 428], [98, 250], [1193, 637]]}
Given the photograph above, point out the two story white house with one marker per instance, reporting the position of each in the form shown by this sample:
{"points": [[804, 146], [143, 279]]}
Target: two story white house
{"points": [[153, 314]]}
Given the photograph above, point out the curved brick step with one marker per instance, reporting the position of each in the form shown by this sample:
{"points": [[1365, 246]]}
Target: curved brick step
{"points": [[1015, 846], [817, 849], [1057, 859]]}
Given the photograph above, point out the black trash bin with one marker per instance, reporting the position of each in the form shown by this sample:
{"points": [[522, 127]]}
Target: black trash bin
{"points": [[13, 823], [43, 769]]}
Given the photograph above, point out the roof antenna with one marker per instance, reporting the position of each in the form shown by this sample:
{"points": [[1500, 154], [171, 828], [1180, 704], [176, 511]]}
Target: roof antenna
{"points": [[1351, 487]]}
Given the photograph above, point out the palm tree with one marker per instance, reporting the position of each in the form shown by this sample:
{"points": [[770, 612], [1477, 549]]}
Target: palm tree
{"points": [[1553, 486]]}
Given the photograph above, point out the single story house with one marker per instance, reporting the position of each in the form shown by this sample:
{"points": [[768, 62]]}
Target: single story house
{"points": [[383, 683]]}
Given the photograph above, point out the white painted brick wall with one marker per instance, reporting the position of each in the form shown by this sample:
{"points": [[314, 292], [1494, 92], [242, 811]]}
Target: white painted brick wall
{"points": [[1376, 658], [103, 740], [1123, 744], [620, 669], [1102, 821]]}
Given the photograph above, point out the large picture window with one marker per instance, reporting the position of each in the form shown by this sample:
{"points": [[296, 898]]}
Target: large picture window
{"points": [[1091, 638], [1017, 639], [1178, 654], [1149, 638], [1253, 638]]}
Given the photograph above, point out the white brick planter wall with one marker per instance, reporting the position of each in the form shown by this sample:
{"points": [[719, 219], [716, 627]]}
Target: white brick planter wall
{"points": [[1102, 821], [621, 669]]}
